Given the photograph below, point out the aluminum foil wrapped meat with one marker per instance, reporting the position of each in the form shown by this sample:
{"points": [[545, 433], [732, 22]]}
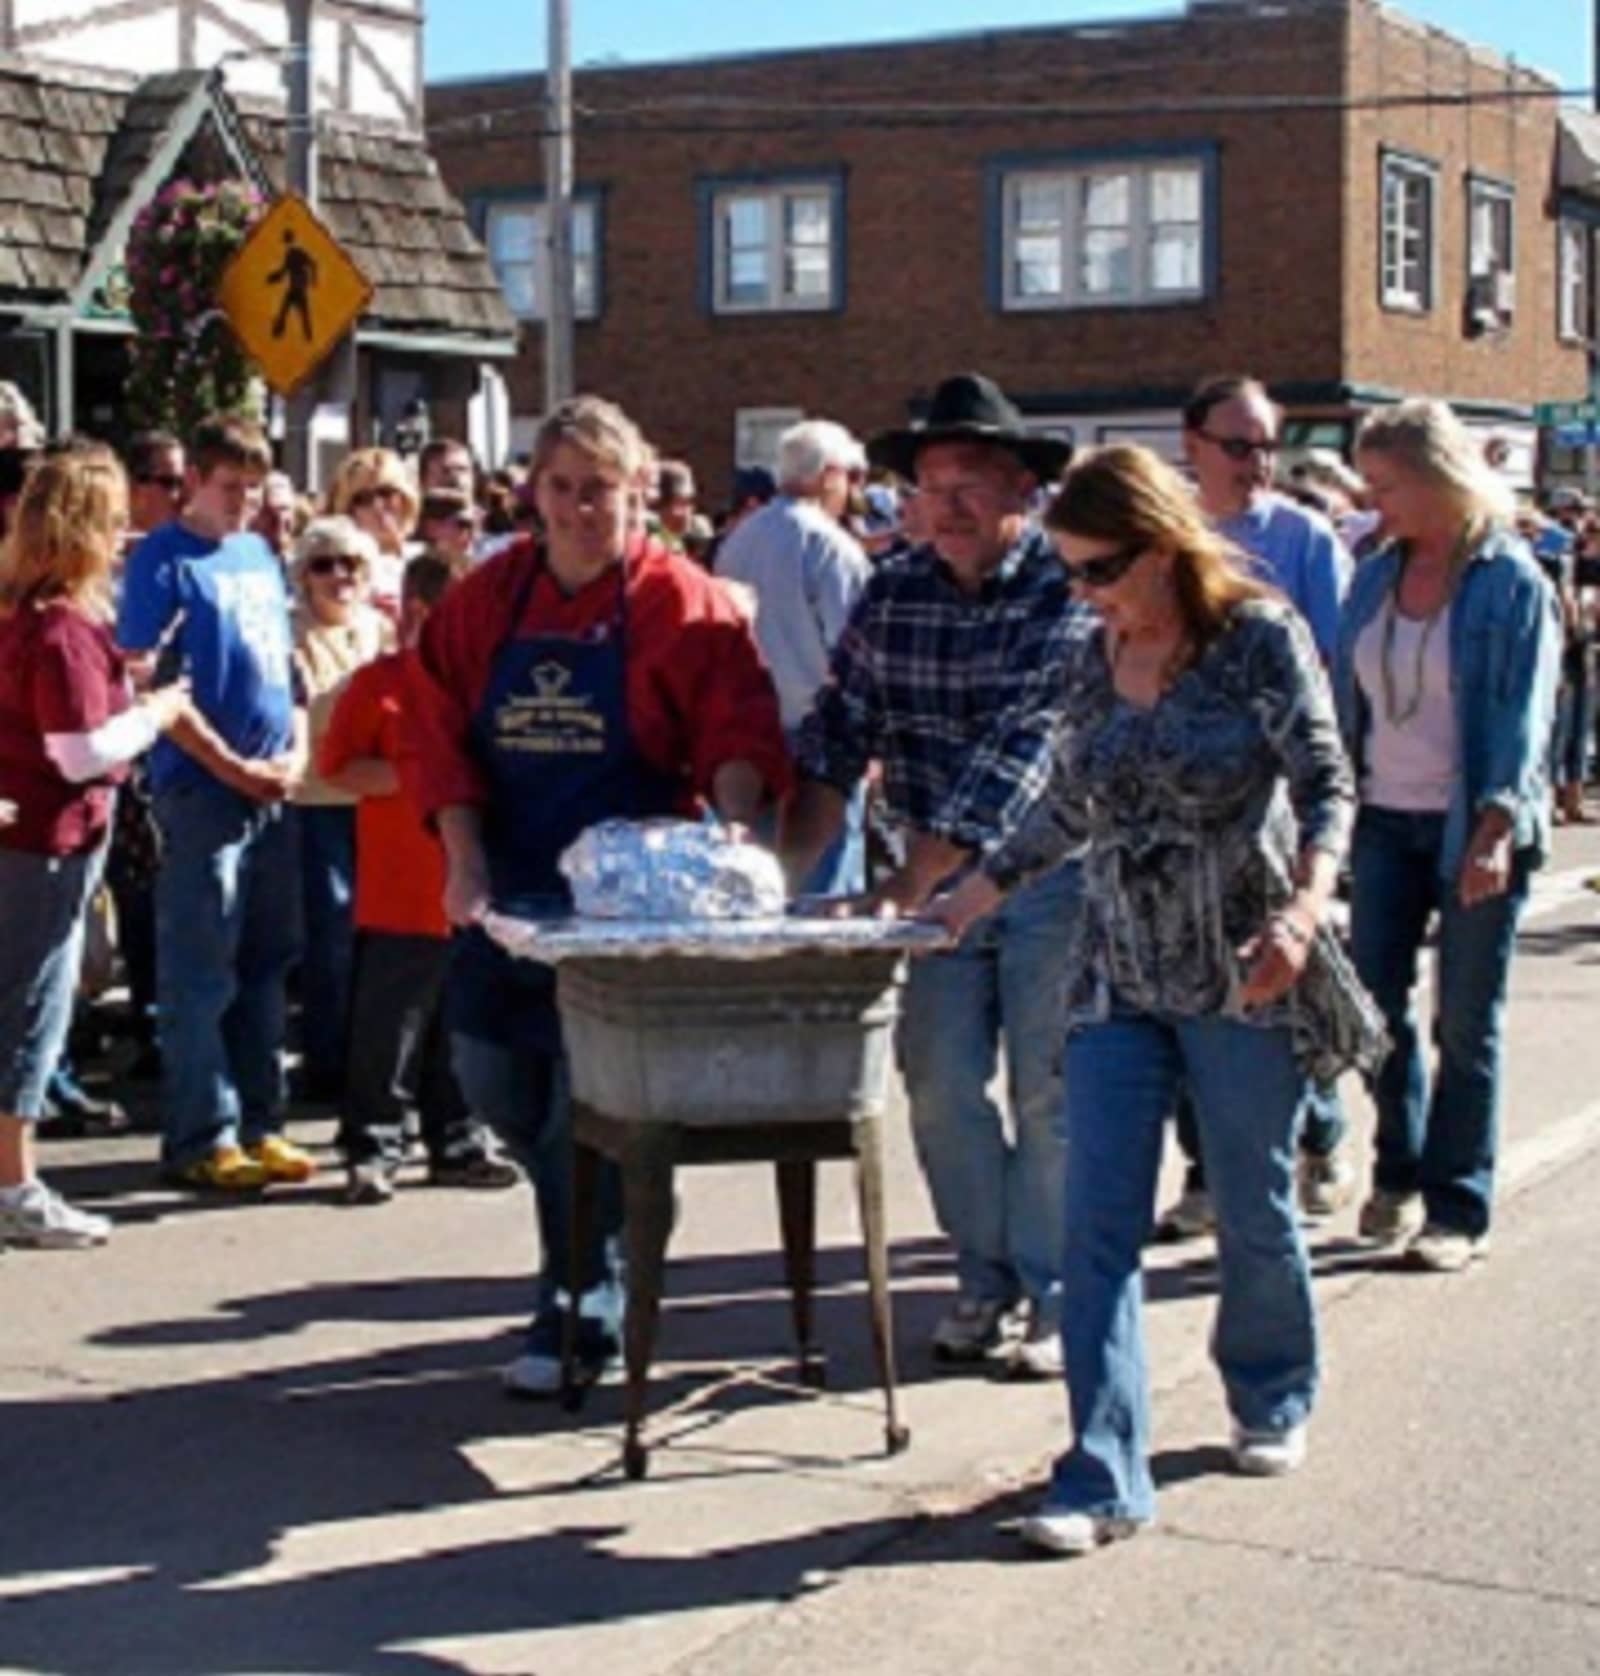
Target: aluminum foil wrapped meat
{"points": [[671, 870]]}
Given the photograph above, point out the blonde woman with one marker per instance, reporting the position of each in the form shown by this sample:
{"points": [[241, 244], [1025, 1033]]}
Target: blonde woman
{"points": [[1446, 675], [660, 701], [69, 726], [375, 490], [335, 633], [1200, 762]]}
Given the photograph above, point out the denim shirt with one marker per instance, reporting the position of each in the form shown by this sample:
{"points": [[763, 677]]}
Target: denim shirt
{"points": [[1505, 659]]}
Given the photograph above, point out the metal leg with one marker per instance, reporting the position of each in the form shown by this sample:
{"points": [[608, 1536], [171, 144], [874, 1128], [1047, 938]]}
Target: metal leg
{"points": [[585, 1176], [797, 1216], [874, 1236], [647, 1222]]}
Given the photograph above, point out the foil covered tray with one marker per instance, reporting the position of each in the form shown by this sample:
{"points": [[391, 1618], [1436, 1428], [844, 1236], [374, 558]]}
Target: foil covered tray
{"points": [[551, 941]]}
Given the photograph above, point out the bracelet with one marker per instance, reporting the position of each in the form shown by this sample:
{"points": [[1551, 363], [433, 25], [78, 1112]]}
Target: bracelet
{"points": [[1296, 930]]}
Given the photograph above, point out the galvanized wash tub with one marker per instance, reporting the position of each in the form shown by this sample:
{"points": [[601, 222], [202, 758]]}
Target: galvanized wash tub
{"points": [[726, 1022]]}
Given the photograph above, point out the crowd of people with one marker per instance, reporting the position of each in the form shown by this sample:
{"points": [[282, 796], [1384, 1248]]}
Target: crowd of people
{"points": [[1127, 732]]}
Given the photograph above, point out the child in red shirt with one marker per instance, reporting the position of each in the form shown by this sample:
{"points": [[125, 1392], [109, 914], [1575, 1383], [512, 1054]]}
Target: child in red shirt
{"points": [[399, 1050]]}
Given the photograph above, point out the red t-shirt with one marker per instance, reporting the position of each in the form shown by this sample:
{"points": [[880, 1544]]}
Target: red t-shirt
{"points": [[698, 694], [400, 866], [60, 672]]}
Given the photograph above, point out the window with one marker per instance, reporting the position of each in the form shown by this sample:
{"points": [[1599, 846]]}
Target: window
{"points": [[775, 247], [1490, 215], [1573, 317], [1116, 232], [514, 232], [1407, 233]]}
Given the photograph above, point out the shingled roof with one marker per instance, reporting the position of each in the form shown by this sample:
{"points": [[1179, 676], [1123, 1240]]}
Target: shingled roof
{"points": [[71, 149]]}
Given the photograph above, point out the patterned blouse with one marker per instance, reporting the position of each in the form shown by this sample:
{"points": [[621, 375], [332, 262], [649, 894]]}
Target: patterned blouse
{"points": [[1195, 813]]}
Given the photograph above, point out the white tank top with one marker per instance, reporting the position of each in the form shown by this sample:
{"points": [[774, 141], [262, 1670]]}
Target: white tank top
{"points": [[1411, 747]]}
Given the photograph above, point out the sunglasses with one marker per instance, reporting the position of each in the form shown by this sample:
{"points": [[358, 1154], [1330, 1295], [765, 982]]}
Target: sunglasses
{"points": [[1104, 569], [172, 485], [327, 564], [385, 492], [1241, 448]]}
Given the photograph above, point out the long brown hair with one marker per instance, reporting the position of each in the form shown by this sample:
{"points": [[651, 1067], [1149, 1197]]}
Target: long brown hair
{"points": [[66, 530], [1130, 496]]}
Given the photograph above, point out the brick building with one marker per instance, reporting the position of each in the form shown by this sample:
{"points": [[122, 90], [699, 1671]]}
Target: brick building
{"points": [[1348, 203]]}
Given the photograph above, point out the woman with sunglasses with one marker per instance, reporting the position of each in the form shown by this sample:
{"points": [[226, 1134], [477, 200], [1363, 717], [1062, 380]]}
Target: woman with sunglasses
{"points": [[376, 492], [335, 633], [1200, 760], [1448, 660]]}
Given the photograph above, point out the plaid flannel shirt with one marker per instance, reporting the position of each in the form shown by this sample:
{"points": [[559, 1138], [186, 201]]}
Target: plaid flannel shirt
{"points": [[956, 694]]}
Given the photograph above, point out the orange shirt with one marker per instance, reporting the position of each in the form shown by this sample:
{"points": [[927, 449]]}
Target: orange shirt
{"points": [[400, 866]]}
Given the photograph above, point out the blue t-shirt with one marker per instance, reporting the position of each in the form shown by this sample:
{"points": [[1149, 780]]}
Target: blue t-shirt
{"points": [[234, 643], [1299, 554]]}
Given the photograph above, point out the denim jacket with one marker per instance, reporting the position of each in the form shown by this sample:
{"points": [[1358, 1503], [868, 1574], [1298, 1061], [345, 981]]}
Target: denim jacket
{"points": [[1505, 659]]}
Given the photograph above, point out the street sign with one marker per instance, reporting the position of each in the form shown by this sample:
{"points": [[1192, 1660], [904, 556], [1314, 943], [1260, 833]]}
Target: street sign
{"points": [[291, 293], [1567, 413]]}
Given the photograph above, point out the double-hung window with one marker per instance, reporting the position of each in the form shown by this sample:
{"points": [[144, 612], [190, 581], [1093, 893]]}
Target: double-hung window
{"points": [[1105, 233], [775, 247], [1574, 253], [1407, 233], [515, 235]]}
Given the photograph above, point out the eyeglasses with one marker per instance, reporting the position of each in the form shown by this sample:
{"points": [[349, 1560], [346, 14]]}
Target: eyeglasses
{"points": [[383, 492], [1105, 568], [1241, 448], [326, 564]]}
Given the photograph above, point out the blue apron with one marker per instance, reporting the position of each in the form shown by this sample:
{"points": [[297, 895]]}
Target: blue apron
{"points": [[551, 737]]}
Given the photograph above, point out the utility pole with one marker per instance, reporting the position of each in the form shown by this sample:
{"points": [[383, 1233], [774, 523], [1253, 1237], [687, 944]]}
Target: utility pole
{"points": [[559, 372], [299, 75]]}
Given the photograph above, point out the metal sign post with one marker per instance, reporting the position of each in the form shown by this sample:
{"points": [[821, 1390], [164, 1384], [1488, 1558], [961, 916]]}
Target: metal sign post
{"points": [[559, 374]]}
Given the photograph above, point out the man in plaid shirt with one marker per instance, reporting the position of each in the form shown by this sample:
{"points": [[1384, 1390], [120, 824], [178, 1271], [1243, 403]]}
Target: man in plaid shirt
{"points": [[948, 675]]}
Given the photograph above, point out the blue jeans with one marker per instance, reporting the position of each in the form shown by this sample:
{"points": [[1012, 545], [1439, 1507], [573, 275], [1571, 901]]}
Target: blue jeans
{"points": [[1440, 1142], [842, 868], [226, 937], [43, 903], [1121, 1080], [1322, 1129], [522, 1095], [327, 841], [997, 1198]]}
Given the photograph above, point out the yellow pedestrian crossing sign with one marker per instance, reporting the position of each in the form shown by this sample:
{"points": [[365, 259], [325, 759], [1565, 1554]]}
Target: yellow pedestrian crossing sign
{"points": [[292, 293]]}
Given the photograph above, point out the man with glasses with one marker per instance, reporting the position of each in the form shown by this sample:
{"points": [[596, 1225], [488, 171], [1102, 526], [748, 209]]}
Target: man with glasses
{"points": [[948, 674], [155, 464], [1231, 433]]}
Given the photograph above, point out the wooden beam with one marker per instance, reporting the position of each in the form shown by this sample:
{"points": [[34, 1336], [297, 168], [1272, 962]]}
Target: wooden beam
{"points": [[31, 35]]}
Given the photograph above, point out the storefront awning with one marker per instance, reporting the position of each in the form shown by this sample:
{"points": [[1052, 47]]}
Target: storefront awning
{"points": [[1578, 155]]}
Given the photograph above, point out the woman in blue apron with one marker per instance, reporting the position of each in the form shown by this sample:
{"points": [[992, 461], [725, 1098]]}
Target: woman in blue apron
{"points": [[592, 676]]}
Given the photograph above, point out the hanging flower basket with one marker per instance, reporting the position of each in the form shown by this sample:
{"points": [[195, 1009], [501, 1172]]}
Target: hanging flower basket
{"points": [[186, 363]]}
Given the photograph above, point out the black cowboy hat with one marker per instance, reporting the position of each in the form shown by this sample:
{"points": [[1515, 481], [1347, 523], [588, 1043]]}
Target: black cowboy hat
{"points": [[970, 408]]}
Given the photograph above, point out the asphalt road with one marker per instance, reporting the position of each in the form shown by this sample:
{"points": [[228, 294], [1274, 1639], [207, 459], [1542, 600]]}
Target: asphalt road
{"points": [[268, 1438]]}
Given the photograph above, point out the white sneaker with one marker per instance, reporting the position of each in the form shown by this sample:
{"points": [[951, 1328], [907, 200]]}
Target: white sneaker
{"points": [[1446, 1250], [1327, 1184], [1037, 1353], [33, 1215], [532, 1375], [970, 1331], [1190, 1218], [1058, 1530], [1268, 1454], [1389, 1218]]}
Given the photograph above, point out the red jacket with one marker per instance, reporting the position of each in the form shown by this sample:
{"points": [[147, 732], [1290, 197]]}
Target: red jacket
{"points": [[698, 693]]}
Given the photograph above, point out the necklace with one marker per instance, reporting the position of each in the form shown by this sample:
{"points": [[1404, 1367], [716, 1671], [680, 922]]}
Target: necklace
{"points": [[1399, 714]]}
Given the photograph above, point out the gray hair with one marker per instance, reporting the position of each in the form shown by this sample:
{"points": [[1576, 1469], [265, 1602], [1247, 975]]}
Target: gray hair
{"points": [[1426, 437], [808, 449], [335, 536]]}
